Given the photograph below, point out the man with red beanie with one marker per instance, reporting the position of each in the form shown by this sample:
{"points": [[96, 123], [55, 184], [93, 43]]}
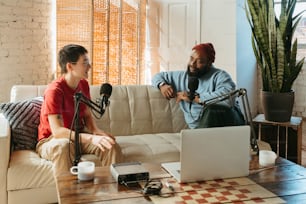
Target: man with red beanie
{"points": [[207, 82]]}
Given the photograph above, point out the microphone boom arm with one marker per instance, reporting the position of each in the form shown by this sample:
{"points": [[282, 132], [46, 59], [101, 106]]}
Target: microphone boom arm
{"points": [[89, 103], [246, 109], [79, 97]]}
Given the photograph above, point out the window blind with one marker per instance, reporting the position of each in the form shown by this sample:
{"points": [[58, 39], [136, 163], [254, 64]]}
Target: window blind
{"points": [[113, 31]]}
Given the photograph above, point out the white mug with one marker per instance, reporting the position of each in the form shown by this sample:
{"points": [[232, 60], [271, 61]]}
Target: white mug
{"points": [[267, 158], [85, 170]]}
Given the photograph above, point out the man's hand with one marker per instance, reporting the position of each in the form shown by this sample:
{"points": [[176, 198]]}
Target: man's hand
{"points": [[102, 141], [167, 91], [182, 96]]}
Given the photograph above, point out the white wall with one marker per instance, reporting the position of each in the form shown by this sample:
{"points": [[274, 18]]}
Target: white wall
{"points": [[220, 30], [26, 43], [224, 24], [246, 62]]}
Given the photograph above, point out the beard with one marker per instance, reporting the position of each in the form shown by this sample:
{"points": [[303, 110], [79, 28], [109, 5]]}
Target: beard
{"points": [[199, 72]]}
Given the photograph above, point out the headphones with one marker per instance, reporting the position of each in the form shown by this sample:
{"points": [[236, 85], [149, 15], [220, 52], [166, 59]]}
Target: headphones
{"points": [[152, 188]]}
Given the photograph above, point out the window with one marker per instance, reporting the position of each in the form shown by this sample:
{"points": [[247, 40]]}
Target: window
{"points": [[300, 32], [113, 31]]}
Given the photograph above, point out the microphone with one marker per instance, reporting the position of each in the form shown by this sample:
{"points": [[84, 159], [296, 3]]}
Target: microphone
{"points": [[105, 93], [193, 83]]}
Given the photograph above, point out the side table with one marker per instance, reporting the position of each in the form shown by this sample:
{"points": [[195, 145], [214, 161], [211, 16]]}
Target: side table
{"points": [[295, 123]]}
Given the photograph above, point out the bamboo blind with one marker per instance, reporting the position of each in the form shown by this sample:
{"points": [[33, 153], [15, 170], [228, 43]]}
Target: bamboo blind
{"points": [[113, 31]]}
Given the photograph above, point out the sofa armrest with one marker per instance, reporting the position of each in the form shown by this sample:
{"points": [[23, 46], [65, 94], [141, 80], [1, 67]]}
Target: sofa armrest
{"points": [[5, 143]]}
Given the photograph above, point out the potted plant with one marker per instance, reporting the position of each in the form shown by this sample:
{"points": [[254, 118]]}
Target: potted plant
{"points": [[275, 52]]}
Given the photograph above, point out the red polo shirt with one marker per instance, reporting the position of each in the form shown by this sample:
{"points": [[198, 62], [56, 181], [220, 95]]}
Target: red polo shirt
{"points": [[59, 99]]}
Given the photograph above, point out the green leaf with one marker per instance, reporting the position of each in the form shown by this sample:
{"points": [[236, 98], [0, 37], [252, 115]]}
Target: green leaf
{"points": [[272, 43]]}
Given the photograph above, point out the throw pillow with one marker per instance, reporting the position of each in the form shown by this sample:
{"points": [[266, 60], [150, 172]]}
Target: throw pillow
{"points": [[23, 117]]}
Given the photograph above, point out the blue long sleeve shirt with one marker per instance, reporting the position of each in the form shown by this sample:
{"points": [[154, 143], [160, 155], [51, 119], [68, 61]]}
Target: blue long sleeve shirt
{"points": [[214, 83]]}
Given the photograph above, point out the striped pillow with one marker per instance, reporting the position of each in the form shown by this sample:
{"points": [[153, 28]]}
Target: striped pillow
{"points": [[23, 117]]}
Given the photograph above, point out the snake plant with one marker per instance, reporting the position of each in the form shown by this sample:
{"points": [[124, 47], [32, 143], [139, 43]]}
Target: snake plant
{"points": [[272, 43]]}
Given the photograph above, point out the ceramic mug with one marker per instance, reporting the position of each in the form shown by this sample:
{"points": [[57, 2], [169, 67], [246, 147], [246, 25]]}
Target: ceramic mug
{"points": [[267, 158], [85, 170]]}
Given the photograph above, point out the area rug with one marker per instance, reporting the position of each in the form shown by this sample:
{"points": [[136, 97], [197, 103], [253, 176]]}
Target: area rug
{"points": [[237, 190]]}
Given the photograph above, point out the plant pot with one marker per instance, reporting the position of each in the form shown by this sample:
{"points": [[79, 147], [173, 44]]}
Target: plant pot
{"points": [[277, 107]]}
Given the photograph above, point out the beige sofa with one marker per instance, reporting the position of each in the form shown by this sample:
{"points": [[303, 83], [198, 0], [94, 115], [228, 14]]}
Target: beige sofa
{"points": [[145, 124]]}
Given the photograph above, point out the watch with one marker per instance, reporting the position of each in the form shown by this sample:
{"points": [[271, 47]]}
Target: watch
{"points": [[161, 84]]}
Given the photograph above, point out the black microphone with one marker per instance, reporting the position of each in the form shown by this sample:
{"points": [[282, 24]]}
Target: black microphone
{"points": [[193, 83], [105, 92]]}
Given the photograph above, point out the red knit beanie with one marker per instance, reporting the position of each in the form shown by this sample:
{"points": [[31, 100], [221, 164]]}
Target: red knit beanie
{"points": [[206, 49]]}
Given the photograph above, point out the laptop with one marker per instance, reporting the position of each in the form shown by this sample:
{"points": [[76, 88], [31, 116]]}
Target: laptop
{"points": [[212, 153]]}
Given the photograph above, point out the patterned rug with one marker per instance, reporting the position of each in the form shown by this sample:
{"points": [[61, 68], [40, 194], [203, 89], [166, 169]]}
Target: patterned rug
{"points": [[236, 190]]}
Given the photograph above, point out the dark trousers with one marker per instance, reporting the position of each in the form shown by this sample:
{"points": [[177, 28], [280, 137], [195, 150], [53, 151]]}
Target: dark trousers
{"points": [[220, 116]]}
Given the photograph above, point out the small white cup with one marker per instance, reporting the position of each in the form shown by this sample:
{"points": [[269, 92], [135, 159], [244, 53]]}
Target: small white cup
{"points": [[85, 170], [267, 158]]}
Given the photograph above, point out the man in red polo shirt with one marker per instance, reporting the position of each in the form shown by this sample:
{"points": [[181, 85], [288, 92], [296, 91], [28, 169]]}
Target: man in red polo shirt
{"points": [[56, 130]]}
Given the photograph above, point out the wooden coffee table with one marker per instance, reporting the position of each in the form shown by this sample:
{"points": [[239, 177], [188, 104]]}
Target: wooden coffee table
{"points": [[285, 181], [103, 189]]}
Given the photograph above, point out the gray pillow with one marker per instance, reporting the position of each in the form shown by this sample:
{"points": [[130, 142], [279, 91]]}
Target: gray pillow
{"points": [[23, 117]]}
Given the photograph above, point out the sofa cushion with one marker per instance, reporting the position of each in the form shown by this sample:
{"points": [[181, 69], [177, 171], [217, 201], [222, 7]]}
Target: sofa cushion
{"points": [[156, 148], [28, 170], [23, 117], [139, 109]]}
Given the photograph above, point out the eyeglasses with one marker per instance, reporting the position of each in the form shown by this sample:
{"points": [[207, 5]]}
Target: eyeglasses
{"points": [[85, 64]]}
